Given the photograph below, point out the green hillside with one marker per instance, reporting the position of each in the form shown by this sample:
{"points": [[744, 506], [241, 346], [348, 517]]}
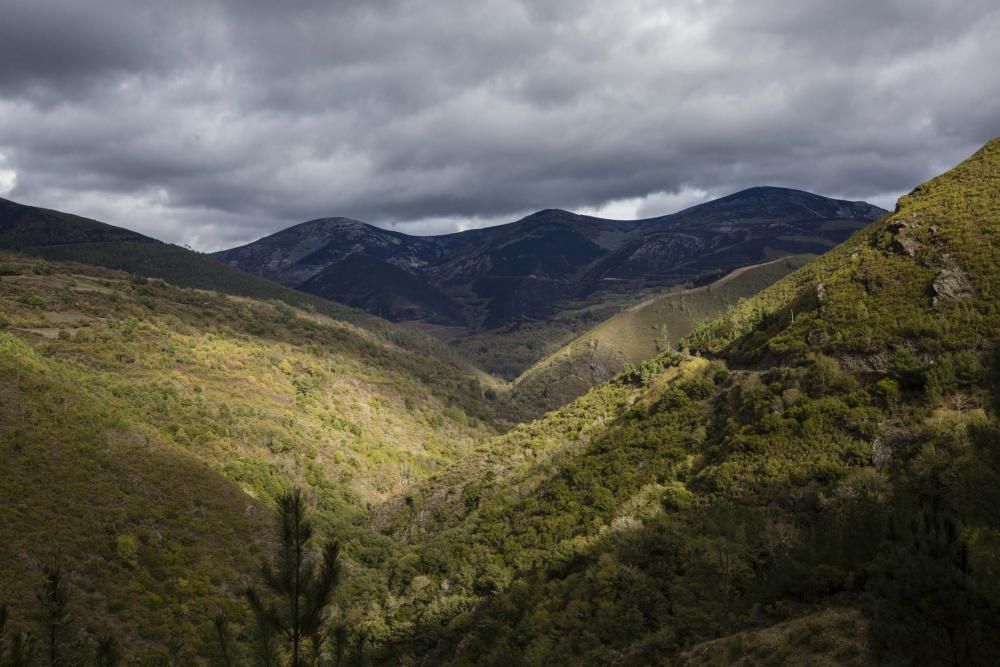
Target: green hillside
{"points": [[62, 236], [832, 503], [147, 530], [146, 428], [636, 334], [923, 278], [58, 236]]}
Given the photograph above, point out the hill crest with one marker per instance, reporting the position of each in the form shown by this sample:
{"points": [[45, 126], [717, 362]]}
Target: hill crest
{"points": [[907, 281]]}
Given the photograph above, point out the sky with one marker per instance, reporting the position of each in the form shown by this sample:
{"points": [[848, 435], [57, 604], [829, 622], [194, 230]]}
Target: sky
{"points": [[211, 123]]}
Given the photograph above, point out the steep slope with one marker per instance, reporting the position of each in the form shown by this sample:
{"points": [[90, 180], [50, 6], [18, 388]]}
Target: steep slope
{"points": [[145, 428], [27, 226], [697, 510], [151, 537], [317, 256], [638, 333], [529, 268], [923, 278], [298, 253], [382, 288]]}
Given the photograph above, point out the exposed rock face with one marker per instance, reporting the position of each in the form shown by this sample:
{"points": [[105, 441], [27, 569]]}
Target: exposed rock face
{"points": [[952, 285], [906, 246], [903, 243], [865, 363], [817, 337]]}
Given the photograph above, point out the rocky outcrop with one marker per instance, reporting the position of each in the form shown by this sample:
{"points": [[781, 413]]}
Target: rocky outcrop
{"points": [[865, 363], [903, 243], [951, 285], [905, 246]]}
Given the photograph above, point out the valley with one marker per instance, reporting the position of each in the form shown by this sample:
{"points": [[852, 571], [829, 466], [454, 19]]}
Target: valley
{"points": [[769, 461], [499, 334]]}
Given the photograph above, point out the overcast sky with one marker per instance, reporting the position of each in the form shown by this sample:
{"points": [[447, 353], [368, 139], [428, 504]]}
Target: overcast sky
{"points": [[214, 122]]}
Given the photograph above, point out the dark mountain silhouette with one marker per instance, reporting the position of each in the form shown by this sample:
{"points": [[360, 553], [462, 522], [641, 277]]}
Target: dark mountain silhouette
{"points": [[483, 278]]}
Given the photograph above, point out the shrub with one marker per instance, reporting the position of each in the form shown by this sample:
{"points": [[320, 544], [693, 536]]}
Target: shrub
{"points": [[127, 549], [908, 369]]}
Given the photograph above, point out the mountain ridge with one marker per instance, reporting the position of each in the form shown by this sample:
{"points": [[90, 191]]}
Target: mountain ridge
{"points": [[528, 267]]}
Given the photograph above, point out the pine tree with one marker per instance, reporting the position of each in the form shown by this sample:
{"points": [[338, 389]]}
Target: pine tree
{"points": [[107, 653], [53, 613], [223, 635], [299, 585]]}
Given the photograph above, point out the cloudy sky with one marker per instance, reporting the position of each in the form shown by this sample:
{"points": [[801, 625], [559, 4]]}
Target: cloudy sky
{"points": [[214, 122]]}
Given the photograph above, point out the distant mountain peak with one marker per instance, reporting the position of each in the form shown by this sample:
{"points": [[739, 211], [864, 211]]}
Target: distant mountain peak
{"points": [[484, 278], [551, 215], [331, 223], [767, 201], [769, 190]]}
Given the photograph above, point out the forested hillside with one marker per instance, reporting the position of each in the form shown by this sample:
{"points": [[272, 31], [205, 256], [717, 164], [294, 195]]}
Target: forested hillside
{"points": [[821, 489], [923, 279], [146, 429], [64, 237]]}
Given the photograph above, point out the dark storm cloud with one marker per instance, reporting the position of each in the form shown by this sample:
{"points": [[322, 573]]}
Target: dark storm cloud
{"points": [[215, 122]]}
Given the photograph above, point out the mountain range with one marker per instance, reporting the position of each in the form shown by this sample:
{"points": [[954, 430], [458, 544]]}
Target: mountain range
{"points": [[485, 278]]}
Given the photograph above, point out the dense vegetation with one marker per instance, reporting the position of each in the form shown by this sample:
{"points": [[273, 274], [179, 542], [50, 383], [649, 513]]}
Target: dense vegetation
{"points": [[839, 494], [138, 416], [923, 278], [59, 236], [817, 483], [728, 501]]}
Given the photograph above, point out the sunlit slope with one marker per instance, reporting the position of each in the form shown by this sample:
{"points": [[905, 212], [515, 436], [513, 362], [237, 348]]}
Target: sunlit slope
{"points": [[926, 277], [146, 429], [155, 540], [237, 379], [638, 333], [59, 236]]}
